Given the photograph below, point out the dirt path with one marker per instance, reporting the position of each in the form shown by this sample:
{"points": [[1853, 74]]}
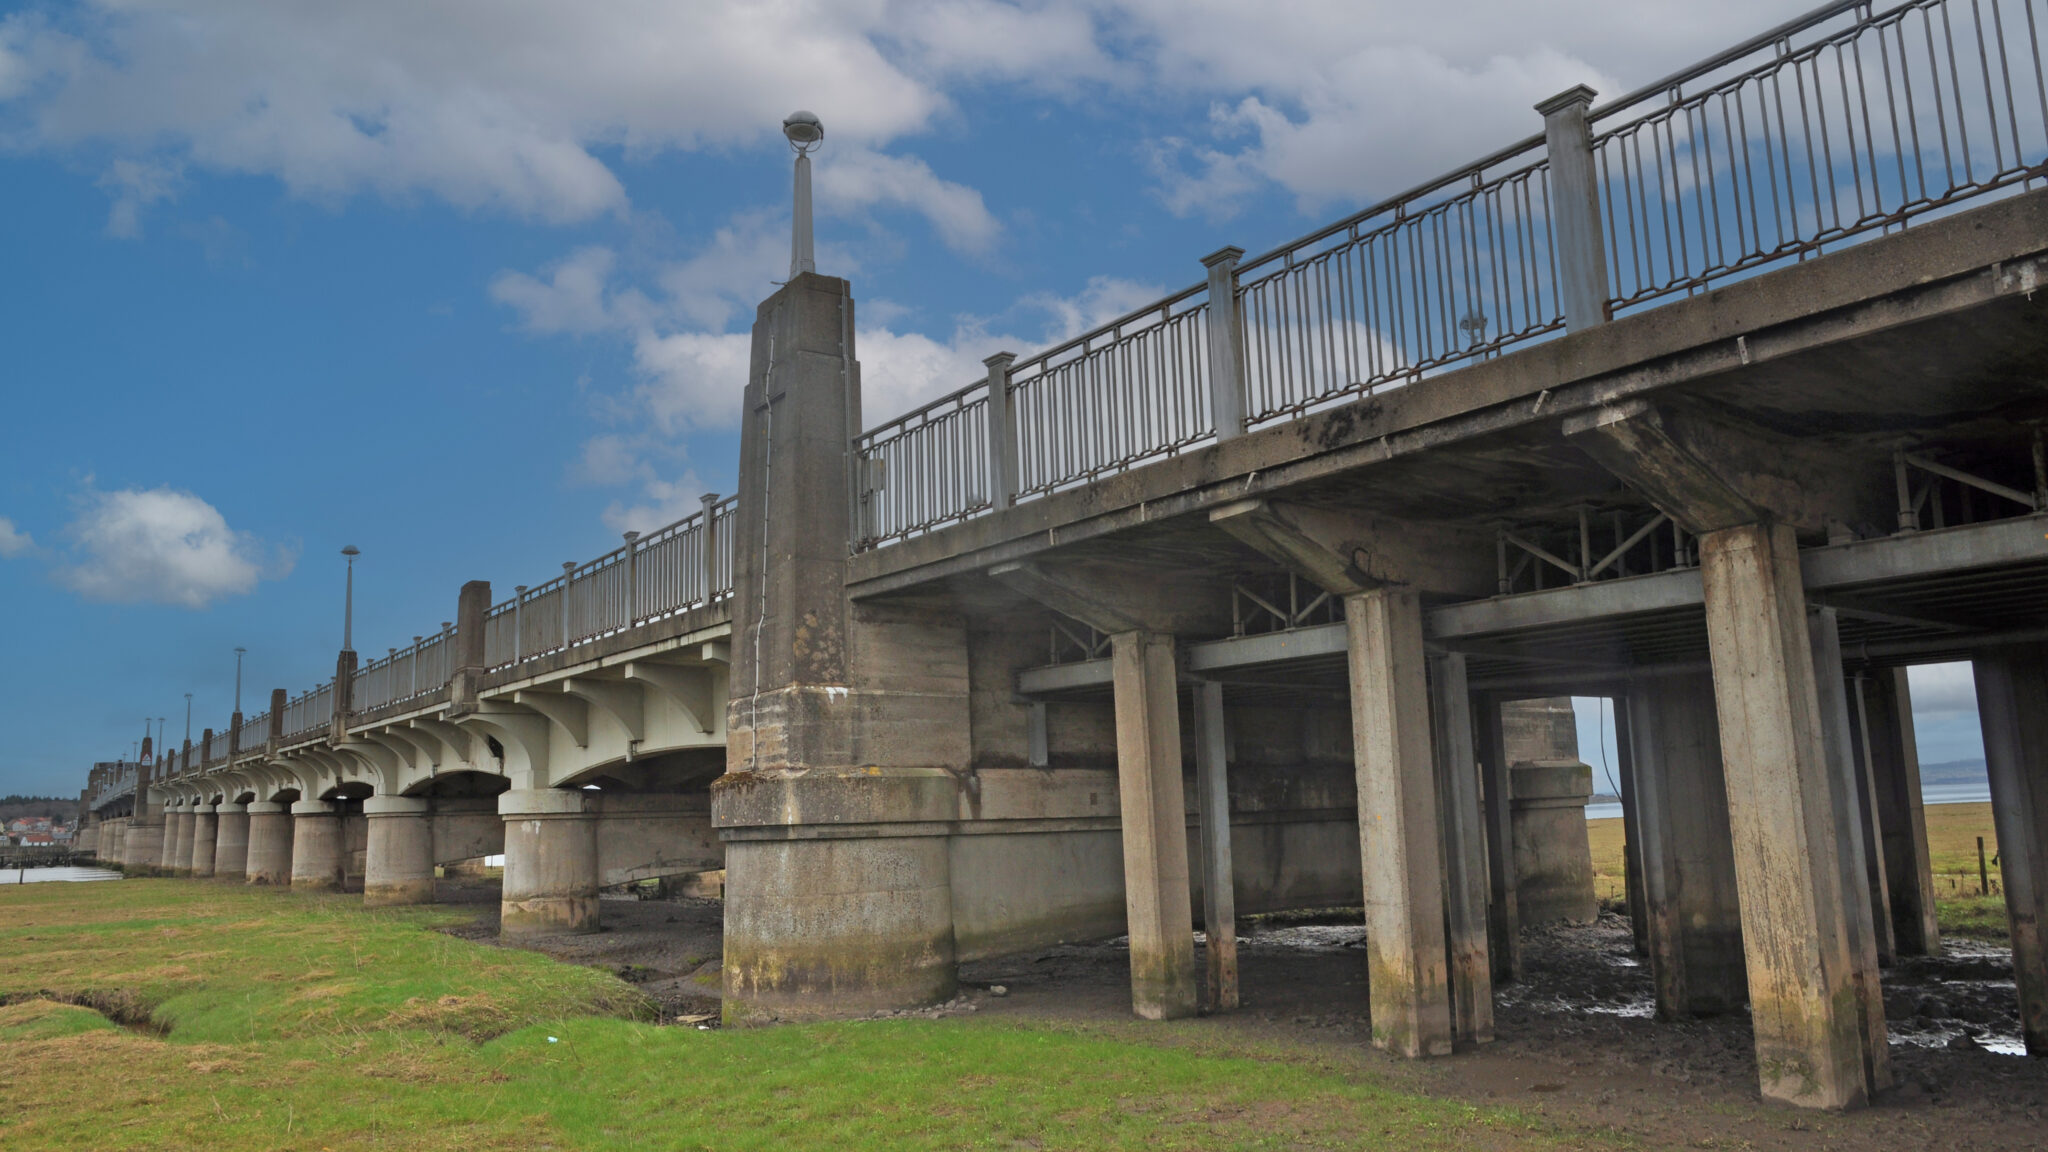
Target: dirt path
{"points": [[1576, 1042]]}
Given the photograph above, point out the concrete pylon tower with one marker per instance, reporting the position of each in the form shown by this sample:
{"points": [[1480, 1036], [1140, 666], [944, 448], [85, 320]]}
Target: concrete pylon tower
{"points": [[843, 721]]}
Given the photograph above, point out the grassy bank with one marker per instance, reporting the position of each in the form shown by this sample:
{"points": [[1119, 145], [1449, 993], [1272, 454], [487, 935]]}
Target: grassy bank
{"points": [[1961, 905], [229, 1018]]}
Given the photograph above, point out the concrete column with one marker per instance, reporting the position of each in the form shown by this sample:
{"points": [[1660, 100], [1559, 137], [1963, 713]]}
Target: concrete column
{"points": [[1150, 799], [177, 845], [1848, 804], [1219, 878], [142, 846], [1632, 830], [1503, 914], [1464, 851], [1804, 988], [270, 844], [1894, 764], [1553, 855], [1691, 910], [317, 862], [1397, 823], [231, 840], [398, 864], [205, 833], [2012, 687], [551, 871]]}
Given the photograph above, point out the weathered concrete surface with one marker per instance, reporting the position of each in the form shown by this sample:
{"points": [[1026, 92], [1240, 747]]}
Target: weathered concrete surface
{"points": [[399, 858], [1894, 765], [836, 927], [1804, 987], [1464, 848], [464, 829], [1691, 902], [551, 869], [231, 840], [205, 833], [177, 848], [1155, 846], [270, 843], [2012, 685], [645, 835], [1397, 820], [1553, 856], [142, 847], [319, 860]]}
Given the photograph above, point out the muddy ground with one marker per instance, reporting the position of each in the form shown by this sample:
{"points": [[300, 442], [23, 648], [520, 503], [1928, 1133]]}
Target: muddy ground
{"points": [[1576, 1043]]}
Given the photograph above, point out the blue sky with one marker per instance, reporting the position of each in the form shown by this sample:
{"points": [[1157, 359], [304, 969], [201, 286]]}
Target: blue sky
{"points": [[466, 284]]}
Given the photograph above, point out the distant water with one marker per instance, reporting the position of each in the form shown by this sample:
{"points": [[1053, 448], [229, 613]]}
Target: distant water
{"points": [[1929, 794], [44, 875]]}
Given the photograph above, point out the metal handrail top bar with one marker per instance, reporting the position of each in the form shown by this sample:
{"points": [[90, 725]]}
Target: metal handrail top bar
{"points": [[1728, 56]]}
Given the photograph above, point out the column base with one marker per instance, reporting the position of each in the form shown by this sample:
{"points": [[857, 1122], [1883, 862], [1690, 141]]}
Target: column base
{"points": [[551, 872], [316, 847], [398, 866]]}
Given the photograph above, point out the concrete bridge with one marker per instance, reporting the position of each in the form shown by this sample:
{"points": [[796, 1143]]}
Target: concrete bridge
{"points": [[1721, 399]]}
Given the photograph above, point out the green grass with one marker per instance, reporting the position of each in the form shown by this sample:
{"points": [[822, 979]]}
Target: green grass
{"points": [[1960, 903], [261, 1019]]}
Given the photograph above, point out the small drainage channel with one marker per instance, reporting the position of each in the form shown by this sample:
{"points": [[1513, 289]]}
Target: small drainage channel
{"points": [[116, 1008]]}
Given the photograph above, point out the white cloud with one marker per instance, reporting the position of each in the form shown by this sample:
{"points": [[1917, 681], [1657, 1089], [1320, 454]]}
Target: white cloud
{"points": [[163, 546], [852, 180], [509, 107], [13, 541], [572, 298], [135, 185]]}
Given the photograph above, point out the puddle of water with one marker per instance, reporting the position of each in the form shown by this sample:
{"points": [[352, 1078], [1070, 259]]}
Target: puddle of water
{"points": [[49, 875]]}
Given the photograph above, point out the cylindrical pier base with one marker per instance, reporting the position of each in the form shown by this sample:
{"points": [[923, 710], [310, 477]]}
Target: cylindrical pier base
{"points": [[270, 844], [399, 861], [317, 861], [551, 874]]}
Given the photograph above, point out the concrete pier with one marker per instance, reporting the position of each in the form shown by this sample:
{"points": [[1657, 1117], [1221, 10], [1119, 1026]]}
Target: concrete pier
{"points": [[205, 835], [142, 847], [1148, 759], [1553, 857], [1466, 887], [551, 872], [1693, 928], [1892, 755], [231, 840], [1805, 985], [399, 858], [271, 833], [1397, 822], [2012, 686], [318, 860], [177, 849]]}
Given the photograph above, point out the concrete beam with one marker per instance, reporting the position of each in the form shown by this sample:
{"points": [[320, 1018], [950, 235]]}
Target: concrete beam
{"points": [[1117, 598], [1710, 470], [1347, 552]]}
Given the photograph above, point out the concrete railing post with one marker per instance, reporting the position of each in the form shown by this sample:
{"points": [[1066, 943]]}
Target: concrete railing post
{"points": [[235, 735], [1002, 433], [469, 659], [568, 581], [279, 701], [710, 500], [1226, 355], [1581, 251], [344, 693], [632, 579], [518, 623]]}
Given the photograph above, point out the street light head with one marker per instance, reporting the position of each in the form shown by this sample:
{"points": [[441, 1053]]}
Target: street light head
{"points": [[804, 130], [351, 551], [239, 651]]}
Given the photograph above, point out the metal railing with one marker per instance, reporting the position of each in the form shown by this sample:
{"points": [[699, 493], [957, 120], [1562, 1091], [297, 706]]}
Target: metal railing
{"points": [[309, 712], [1844, 122], [254, 733], [405, 673], [685, 565]]}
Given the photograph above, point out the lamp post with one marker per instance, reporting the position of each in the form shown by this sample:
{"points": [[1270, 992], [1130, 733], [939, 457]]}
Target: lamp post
{"points": [[348, 600], [805, 133], [238, 679]]}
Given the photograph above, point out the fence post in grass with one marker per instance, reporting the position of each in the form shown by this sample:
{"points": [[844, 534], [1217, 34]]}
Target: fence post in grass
{"points": [[1983, 873]]}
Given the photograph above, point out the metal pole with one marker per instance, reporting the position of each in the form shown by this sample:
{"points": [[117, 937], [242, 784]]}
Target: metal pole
{"points": [[188, 718], [801, 259], [348, 601], [238, 678]]}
